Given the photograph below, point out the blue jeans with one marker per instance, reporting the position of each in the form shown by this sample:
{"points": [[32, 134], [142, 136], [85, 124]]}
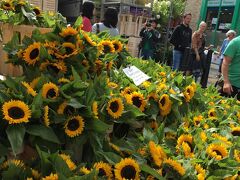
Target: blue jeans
{"points": [[177, 57], [147, 54]]}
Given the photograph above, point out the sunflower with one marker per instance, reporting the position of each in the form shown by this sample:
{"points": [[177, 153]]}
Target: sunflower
{"points": [[154, 125], [222, 139], [197, 120], [126, 91], [88, 39], [95, 109], [112, 85], [165, 105], [175, 166], [16, 111], [187, 138], [50, 91], [172, 91], [37, 11], [31, 54], [127, 168], [201, 173], [161, 86], [20, 54], [115, 107], [68, 32], [84, 170], [74, 126], [71, 165], [236, 131], [109, 65], [157, 153], [85, 63], [203, 136], [64, 108], [30, 90], [35, 174], [70, 50], [7, 5], [188, 93], [34, 82], [237, 155], [116, 148], [79, 44], [146, 84], [45, 116], [63, 80], [142, 151], [170, 135], [104, 169], [118, 46], [187, 150], [15, 162], [52, 45], [98, 65], [217, 151], [56, 67], [51, 177], [137, 99], [153, 96], [106, 46], [212, 114]]}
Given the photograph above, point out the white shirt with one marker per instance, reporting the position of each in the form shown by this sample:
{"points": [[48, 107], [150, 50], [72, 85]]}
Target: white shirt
{"points": [[112, 31]]}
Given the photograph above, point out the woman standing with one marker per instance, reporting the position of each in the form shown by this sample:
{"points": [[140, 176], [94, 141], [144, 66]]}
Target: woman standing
{"points": [[198, 58], [87, 14], [109, 23]]}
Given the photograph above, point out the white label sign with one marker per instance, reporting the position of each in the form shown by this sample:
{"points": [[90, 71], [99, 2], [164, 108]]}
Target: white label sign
{"points": [[215, 3], [136, 75]]}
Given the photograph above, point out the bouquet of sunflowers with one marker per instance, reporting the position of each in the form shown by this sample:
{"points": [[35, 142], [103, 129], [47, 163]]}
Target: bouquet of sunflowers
{"points": [[18, 12], [74, 114]]}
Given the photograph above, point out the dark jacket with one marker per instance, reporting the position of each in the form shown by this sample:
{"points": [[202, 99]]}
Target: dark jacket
{"points": [[154, 39], [181, 37]]}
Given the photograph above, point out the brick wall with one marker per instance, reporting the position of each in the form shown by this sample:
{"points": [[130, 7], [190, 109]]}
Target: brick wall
{"points": [[193, 6]]}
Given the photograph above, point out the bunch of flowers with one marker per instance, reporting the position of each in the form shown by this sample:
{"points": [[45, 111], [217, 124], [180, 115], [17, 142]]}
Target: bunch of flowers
{"points": [[22, 12], [75, 114]]}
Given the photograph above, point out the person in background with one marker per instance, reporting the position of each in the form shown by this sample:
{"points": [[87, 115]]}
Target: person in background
{"points": [[150, 36], [231, 69], [230, 35], [87, 14], [198, 58], [181, 39], [109, 23]]}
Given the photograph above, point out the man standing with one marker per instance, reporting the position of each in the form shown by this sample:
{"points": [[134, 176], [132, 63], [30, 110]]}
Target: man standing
{"points": [[150, 37], [231, 69], [181, 38]]}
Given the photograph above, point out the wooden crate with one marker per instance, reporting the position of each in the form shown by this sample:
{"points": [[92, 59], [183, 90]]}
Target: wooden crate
{"points": [[49, 5], [8, 31], [133, 43], [37, 3]]}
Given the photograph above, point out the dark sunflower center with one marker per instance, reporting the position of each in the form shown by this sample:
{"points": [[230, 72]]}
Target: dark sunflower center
{"points": [[128, 172], [34, 53], [69, 50], [101, 172], [137, 101], [116, 47], [197, 122], [53, 67], [114, 106], [106, 49], [163, 101], [51, 93], [212, 114], [37, 12], [68, 110], [218, 152], [190, 145], [73, 125], [236, 133], [188, 91], [16, 113], [7, 5]]}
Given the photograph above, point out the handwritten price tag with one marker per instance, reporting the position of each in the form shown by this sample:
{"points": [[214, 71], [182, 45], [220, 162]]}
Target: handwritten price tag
{"points": [[136, 75]]}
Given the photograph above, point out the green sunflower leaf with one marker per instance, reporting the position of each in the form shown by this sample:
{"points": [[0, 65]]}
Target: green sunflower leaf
{"points": [[91, 175], [15, 135], [44, 132], [98, 126], [151, 171], [76, 76], [60, 165], [111, 157], [78, 22]]}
